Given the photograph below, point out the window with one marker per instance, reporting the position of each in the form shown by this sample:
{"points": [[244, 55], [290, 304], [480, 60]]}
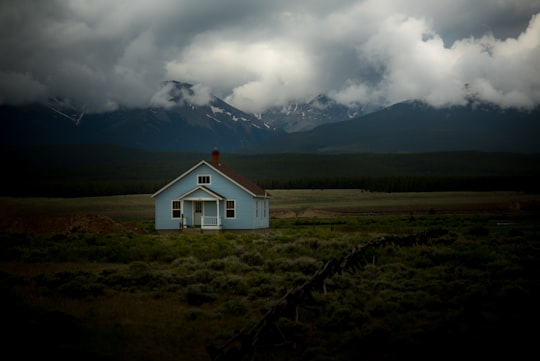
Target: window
{"points": [[203, 179], [176, 209], [230, 209], [259, 208]]}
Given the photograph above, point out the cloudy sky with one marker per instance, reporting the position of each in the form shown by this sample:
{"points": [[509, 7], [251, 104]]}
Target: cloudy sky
{"points": [[258, 53]]}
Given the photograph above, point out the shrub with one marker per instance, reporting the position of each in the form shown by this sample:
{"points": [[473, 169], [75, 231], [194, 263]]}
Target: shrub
{"points": [[339, 317], [235, 307], [478, 231], [303, 264], [306, 265], [70, 284], [189, 263], [230, 284], [263, 291], [233, 264], [252, 259], [138, 268], [81, 287], [198, 294], [201, 276]]}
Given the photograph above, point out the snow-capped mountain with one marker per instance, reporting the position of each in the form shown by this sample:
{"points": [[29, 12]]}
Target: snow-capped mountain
{"points": [[185, 117], [66, 108], [415, 127], [182, 117], [303, 116], [201, 108]]}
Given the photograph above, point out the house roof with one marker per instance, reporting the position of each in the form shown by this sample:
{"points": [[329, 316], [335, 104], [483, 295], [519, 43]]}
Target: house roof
{"points": [[243, 182]]}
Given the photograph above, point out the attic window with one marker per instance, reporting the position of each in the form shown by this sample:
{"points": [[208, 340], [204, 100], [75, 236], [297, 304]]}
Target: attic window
{"points": [[203, 179]]}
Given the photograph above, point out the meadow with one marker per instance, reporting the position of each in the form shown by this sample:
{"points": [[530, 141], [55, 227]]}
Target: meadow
{"points": [[391, 275]]}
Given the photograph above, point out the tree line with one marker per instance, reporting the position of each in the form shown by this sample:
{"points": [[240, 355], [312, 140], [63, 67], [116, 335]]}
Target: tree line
{"points": [[80, 188]]}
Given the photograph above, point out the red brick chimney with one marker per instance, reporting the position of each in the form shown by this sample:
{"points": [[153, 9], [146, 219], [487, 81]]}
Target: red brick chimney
{"points": [[215, 156]]}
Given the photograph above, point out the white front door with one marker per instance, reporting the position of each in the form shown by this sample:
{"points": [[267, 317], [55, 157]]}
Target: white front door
{"points": [[197, 212]]}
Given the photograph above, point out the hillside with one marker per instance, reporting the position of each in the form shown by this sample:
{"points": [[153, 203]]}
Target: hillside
{"points": [[181, 120], [416, 127]]}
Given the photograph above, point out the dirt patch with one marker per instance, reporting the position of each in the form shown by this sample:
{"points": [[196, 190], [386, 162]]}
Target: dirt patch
{"points": [[73, 223], [306, 213], [458, 208]]}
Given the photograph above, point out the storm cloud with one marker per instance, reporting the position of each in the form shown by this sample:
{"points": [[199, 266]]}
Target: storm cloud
{"points": [[257, 54]]}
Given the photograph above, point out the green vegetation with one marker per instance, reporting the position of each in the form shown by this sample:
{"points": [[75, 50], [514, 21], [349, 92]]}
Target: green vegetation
{"points": [[150, 296]]}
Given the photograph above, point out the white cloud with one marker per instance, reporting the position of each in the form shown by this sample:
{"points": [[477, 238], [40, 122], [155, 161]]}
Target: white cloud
{"points": [[259, 74], [257, 54], [416, 65], [505, 72], [170, 95], [20, 88]]}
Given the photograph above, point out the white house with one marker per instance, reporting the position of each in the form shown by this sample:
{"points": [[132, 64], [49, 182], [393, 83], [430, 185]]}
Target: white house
{"points": [[211, 196]]}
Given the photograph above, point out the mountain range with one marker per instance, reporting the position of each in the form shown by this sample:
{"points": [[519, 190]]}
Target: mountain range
{"points": [[183, 121], [182, 125], [415, 127]]}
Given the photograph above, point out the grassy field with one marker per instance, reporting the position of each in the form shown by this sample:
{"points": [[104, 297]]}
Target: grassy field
{"points": [[140, 206], [89, 279], [371, 202]]}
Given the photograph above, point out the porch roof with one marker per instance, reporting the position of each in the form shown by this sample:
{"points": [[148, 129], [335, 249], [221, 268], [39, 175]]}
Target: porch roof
{"points": [[210, 192]]}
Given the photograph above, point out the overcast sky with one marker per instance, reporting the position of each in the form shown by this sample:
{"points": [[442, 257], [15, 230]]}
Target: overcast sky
{"points": [[259, 53]]}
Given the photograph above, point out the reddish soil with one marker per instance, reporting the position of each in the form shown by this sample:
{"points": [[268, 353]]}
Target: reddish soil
{"points": [[84, 223]]}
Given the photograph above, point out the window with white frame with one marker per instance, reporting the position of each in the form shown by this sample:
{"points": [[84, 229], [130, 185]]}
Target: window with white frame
{"points": [[230, 209], [176, 209], [203, 179]]}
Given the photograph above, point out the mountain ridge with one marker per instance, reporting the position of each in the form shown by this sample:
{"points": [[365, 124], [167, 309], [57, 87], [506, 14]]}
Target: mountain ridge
{"points": [[186, 117], [174, 124], [305, 115], [415, 127]]}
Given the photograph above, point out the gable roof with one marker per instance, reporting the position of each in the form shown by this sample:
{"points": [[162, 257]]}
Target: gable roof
{"points": [[205, 189], [244, 183], [237, 178]]}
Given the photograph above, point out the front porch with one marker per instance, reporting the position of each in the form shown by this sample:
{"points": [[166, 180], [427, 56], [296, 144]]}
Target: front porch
{"points": [[201, 210], [209, 222], [201, 222]]}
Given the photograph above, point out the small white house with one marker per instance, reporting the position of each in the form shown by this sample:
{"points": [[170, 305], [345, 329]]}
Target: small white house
{"points": [[211, 196]]}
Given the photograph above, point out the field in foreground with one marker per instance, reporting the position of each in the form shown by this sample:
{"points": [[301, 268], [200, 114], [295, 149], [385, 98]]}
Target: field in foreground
{"points": [[283, 203], [110, 288]]}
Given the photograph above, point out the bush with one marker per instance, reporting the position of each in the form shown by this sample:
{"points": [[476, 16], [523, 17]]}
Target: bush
{"points": [[230, 284], [235, 307], [252, 259], [70, 284], [197, 295]]}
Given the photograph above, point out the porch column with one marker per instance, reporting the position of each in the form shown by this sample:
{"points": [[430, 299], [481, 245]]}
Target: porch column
{"points": [[218, 217], [182, 218]]}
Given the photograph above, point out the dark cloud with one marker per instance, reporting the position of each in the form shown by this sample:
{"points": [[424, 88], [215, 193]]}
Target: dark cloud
{"points": [[257, 54]]}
